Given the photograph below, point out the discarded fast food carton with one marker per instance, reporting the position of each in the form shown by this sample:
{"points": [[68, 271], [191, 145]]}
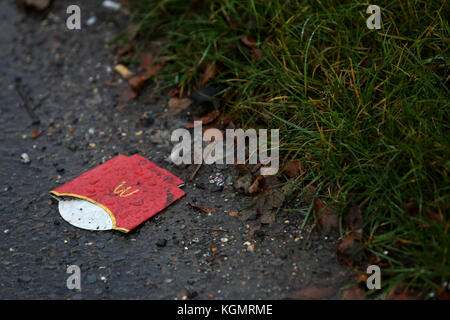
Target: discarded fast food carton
{"points": [[119, 194]]}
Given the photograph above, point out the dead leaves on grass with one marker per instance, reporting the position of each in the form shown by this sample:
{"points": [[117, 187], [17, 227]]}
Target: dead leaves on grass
{"points": [[326, 217], [148, 70], [177, 105], [209, 74], [207, 119], [251, 44]]}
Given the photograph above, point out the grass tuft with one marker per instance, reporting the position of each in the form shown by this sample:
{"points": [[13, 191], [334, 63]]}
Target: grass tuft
{"points": [[366, 111]]}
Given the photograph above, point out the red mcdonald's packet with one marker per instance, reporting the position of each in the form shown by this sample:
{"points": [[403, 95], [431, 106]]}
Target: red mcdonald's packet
{"points": [[119, 194]]}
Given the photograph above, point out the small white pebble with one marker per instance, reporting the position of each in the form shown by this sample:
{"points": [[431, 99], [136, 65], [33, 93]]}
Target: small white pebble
{"points": [[91, 21], [111, 5], [25, 158]]}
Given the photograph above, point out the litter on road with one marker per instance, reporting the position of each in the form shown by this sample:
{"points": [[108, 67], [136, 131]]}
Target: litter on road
{"points": [[119, 194]]}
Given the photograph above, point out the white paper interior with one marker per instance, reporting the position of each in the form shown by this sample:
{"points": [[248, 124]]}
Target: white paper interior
{"points": [[84, 214]]}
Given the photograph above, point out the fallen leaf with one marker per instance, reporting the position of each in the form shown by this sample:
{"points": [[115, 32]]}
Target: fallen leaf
{"points": [[207, 210], [173, 92], [354, 293], [314, 292], [176, 105], [123, 71], [353, 219], [128, 94], [210, 73], [270, 182], [147, 61], [251, 43], [126, 48], [349, 249], [137, 82], [362, 278], [328, 220], [248, 41], [292, 169], [210, 117], [154, 69], [35, 134], [255, 185], [347, 242], [243, 183]]}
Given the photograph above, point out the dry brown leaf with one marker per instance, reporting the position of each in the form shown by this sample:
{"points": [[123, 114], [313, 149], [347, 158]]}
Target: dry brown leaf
{"points": [[137, 82], [176, 105], [207, 210], [328, 220], [146, 62], [210, 117], [251, 43], [353, 219], [173, 92], [255, 187], [126, 48], [347, 243], [292, 169], [362, 278], [248, 41], [315, 292], [349, 249], [354, 293], [128, 94], [210, 73]]}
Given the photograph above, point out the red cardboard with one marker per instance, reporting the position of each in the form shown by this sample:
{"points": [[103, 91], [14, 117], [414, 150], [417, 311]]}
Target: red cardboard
{"points": [[131, 189]]}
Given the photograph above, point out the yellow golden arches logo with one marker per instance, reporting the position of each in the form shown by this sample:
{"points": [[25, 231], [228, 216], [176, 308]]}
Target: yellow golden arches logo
{"points": [[121, 190]]}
